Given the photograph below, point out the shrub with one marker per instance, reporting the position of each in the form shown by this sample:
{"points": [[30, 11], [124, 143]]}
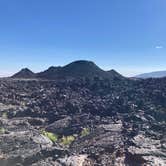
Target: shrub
{"points": [[53, 137], [2, 130], [85, 132], [4, 115], [67, 140]]}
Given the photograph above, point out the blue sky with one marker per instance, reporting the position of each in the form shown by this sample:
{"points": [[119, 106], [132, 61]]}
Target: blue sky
{"points": [[129, 36]]}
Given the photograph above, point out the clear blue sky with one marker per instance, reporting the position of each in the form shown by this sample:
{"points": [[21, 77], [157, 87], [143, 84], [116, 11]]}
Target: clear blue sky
{"points": [[127, 35]]}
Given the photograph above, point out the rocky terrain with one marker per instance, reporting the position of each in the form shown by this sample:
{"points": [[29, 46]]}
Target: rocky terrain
{"points": [[99, 118]]}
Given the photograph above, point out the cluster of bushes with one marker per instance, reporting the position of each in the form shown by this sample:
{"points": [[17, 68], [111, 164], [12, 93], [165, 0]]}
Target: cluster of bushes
{"points": [[65, 140]]}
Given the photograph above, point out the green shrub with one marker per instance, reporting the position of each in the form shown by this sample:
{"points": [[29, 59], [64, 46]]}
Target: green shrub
{"points": [[4, 115], [85, 132], [67, 140], [2, 130], [53, 137]]}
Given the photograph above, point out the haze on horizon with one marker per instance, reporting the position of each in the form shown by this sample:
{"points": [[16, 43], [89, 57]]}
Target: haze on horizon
{"points": [[126, 36]]}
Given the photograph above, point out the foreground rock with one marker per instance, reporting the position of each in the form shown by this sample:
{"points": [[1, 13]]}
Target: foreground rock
{"points": [[150, 150], [22, 144]]}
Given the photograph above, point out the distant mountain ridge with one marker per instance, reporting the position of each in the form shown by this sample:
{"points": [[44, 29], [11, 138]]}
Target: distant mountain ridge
{"points": [[155, 74], [76, 69]]}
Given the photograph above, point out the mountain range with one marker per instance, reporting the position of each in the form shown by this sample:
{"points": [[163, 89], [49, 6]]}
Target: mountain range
{"points": [[80, 69], [76, 69], [155, 74]]}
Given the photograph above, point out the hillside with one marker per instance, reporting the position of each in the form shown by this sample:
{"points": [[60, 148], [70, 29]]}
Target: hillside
{"points": [[24, 73], [75, 70], [78, 69]]}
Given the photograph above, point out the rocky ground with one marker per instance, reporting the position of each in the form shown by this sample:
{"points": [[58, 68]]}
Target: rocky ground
{"points": [[83, 122]]}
